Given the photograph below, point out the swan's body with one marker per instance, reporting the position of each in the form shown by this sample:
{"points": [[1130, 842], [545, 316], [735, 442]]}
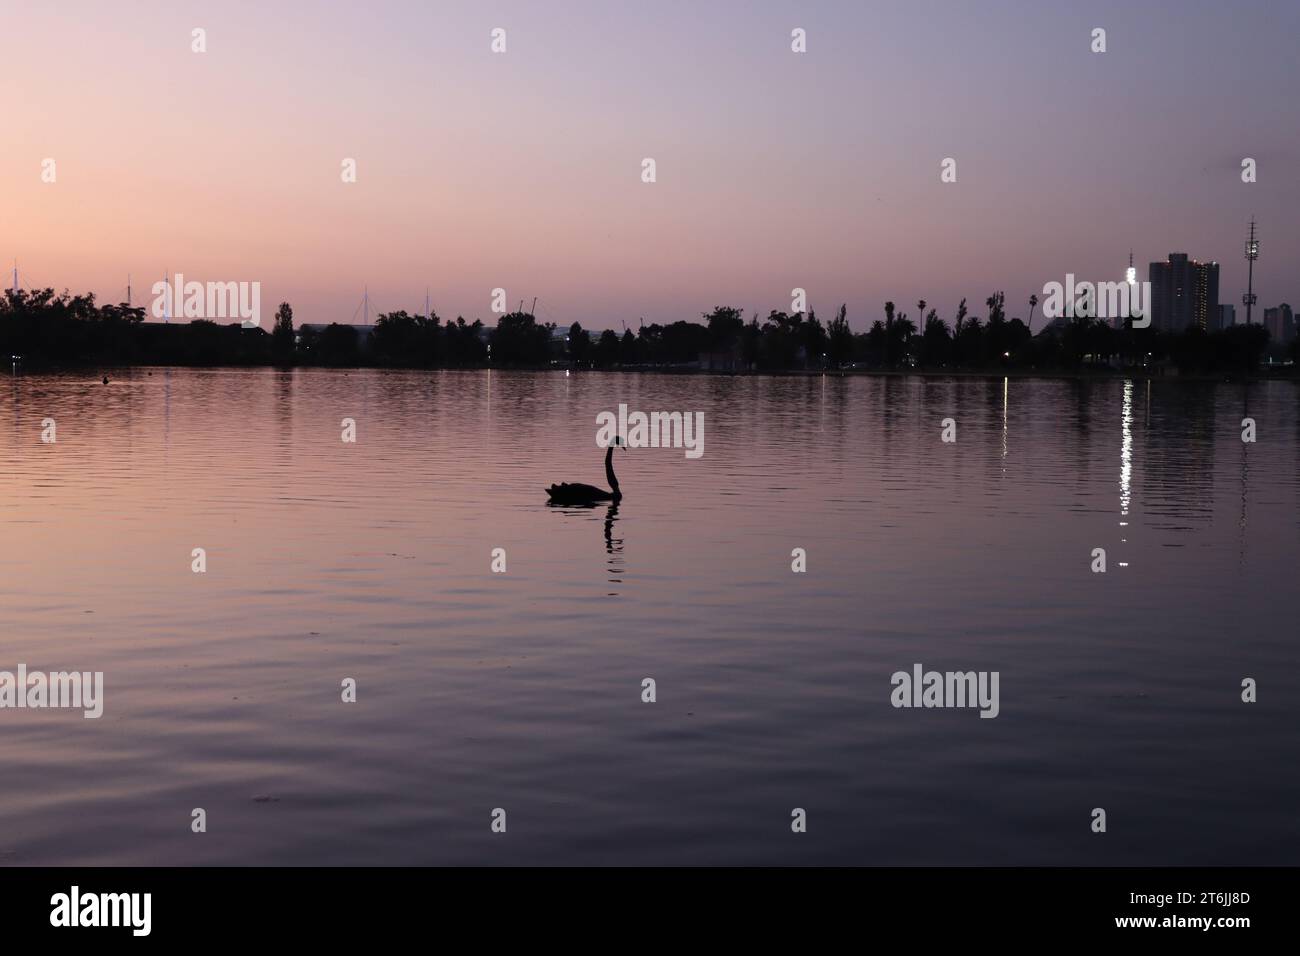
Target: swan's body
{"points": [[579, 494]]}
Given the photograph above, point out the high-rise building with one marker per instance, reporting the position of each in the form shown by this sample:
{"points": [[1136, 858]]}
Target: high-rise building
{"points": [[1280, 323], [1227, 315], [1184, 292], [1205, 295]]}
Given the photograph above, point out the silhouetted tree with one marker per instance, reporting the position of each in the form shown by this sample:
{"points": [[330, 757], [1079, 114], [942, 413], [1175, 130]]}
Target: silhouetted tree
{"points": [[605, 352], [889, 333], [725, 325], [46, 327], [751, 343], [781, 342], [959, 324], [970, 342], [519, 340], [898, 334], [463, 343], [997, 339], [840, 338], [282, 334], [407, 341], [914, 348], [338, 346], [877, 339], [936, 342], [627, 349]]}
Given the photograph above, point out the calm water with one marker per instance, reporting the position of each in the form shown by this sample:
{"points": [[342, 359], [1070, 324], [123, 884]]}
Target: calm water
{"points": [[522, 690]]}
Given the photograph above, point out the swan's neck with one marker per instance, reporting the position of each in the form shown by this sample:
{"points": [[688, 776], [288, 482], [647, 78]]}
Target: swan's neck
{"points": [[609, 471]]}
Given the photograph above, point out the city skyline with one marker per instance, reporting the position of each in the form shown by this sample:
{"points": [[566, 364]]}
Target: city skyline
{"points": [[1168, 278], [520, 170]]}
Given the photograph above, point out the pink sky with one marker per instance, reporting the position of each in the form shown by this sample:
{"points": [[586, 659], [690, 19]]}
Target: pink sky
{"points": [[522, 170]]}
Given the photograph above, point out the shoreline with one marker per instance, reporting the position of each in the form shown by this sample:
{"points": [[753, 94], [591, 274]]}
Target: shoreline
{"points": [[1286, 373]]}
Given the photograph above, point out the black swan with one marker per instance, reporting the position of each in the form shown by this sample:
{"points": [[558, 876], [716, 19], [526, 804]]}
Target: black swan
{"points": [[578, 494]]}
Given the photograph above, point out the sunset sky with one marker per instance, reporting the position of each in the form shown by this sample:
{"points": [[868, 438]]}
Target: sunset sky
{"points": [[522, 170]]}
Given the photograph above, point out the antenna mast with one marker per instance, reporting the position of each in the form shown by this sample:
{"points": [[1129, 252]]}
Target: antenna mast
{"points": [[1252, 253]]}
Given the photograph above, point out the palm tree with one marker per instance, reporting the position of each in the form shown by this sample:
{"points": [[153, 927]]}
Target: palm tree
{"points": [[920, 318], [889, 331], [957, 329], [1033, 301]]}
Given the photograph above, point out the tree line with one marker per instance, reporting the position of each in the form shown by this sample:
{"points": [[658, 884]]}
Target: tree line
{"points": [[62, 329]]}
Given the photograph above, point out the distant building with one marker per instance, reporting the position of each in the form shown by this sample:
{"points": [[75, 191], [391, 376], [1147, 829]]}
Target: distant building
{"points": [[1227, 315], [1184, 292], [1280, 324]]}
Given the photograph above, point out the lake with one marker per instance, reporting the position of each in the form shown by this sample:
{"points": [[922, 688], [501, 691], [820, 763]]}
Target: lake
{"points": [[372, 561]]}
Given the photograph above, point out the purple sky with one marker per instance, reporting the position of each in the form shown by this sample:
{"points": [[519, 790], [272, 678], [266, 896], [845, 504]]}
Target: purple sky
{"points": [[522, 170]]}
